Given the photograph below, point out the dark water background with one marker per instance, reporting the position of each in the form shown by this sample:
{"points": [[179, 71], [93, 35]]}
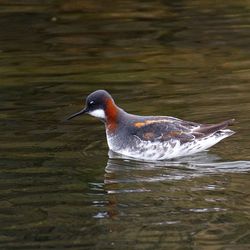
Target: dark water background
{"points": [[58, 187]]}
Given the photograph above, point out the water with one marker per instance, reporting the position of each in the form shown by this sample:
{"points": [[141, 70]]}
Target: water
{"points": [[59, 188]]}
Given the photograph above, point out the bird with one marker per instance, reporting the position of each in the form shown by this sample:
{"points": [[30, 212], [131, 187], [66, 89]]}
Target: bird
{"points": [[151, 138]]}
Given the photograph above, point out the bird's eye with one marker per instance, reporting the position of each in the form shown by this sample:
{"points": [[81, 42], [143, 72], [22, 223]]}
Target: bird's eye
{"points": [[91, 103]]}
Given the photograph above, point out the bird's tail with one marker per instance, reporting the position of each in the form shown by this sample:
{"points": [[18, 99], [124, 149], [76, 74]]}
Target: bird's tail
{"points": [[214, 128]]}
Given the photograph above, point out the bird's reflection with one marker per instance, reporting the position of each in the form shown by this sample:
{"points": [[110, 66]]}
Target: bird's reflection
{"points": [[124, 170], [127, 176]]}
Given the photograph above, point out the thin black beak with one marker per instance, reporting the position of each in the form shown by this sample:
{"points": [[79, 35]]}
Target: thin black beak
{"points": [[78, 113]]}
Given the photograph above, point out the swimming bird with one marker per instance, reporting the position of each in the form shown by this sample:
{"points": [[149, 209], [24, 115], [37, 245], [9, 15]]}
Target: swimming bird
{"points": [[151, 137]]}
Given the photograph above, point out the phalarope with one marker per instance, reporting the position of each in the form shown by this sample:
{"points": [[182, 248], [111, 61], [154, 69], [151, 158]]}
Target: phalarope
{"points": [[151, 137]]}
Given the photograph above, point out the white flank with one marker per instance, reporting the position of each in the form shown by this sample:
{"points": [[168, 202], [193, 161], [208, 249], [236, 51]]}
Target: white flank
{"points": [[99, 113], [147, 150]]}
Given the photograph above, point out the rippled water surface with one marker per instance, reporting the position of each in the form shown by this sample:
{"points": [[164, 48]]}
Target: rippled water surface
{"points": [[59, 186]]}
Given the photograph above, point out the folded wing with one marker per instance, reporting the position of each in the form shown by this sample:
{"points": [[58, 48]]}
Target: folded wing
{"points": [[183, 131]]}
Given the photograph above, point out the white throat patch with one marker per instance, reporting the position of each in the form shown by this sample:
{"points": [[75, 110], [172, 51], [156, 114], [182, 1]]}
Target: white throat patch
{"points": [[99, 113]]}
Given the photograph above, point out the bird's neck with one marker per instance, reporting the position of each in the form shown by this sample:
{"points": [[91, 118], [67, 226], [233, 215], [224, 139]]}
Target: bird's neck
{"points": [[112, 113]]}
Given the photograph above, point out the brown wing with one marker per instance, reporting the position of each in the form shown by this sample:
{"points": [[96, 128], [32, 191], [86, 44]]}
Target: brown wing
{"points": [[165, 130], [184, 131]]}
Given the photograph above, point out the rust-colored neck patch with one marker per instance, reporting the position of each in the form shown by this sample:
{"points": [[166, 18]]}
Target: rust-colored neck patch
{"points": [[111, 114]]}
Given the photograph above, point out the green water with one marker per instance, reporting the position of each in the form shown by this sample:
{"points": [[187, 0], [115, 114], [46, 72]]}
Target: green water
{"points": [[59, 189]]}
